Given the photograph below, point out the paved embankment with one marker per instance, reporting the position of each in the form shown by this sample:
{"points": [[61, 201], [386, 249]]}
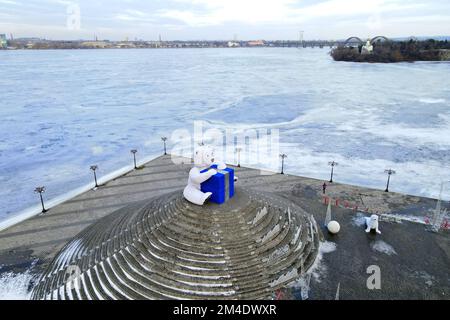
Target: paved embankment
{"points": [[414, 262]]}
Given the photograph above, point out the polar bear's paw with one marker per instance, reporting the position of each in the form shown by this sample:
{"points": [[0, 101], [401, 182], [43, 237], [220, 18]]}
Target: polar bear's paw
{"points": [[221, 166], [208, 196]]}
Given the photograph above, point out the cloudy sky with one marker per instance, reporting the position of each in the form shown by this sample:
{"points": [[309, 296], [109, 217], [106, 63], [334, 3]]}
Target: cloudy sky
{"points": [[223, 19]]}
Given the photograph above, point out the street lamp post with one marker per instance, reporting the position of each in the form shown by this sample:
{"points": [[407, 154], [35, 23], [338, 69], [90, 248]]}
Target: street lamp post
{"points": [[164, 139], [238, 150], [332, 164], [282, 156], [41, 190], [390, 172], [134, 157], [94, 169]]}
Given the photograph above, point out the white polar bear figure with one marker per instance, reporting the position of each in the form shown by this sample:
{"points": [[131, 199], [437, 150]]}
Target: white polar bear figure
{"points": [[203, 159], [372, 223]]}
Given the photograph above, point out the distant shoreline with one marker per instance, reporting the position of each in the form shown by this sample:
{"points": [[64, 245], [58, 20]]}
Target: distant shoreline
{"points": [[40, 44], [86, 49]]}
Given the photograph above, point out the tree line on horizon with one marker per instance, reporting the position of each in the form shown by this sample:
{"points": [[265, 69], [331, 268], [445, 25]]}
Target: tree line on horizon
{"points": [[394, 51]]}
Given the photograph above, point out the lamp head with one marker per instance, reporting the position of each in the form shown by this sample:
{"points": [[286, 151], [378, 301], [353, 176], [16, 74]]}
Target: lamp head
{"points": [[39, 190]]}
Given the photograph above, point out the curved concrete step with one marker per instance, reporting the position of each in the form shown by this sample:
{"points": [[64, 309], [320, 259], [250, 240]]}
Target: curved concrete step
{"points": [[167, 248]]}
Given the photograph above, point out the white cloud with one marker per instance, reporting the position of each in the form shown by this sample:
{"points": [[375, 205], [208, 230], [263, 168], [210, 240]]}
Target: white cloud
{"points": [[9, 2], [221, 11], [216, 12]]}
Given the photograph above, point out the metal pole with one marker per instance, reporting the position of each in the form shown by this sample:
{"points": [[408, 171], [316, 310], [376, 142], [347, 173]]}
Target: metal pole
{"points": [[332, 164], [42, 203], [238, 150], [94, 168], [389, 172], [134, 158], [388, 181], [283, 156], [41, 190], [164, 139]]}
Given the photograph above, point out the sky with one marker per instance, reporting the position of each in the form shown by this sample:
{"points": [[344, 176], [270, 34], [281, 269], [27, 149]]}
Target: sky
{"points": [[223, 19]]}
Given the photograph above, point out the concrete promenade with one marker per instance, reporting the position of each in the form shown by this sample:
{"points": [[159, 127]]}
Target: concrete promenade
{"points": [[414, 262]]}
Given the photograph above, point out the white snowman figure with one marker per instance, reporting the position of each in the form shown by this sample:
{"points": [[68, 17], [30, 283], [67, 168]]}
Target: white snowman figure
{"points": [[372, 224], [203, 159]]}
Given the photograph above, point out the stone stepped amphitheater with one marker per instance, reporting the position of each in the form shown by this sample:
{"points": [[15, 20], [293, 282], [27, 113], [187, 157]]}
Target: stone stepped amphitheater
{"points": [[167, 248]]}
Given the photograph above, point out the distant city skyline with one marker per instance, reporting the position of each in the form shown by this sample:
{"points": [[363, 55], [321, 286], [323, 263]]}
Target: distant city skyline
{"points": [[222, 19]]}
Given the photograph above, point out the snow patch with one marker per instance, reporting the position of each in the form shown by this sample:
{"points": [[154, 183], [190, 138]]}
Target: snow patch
{"points": [[431, 100], [285, 277], [277, 254], [259, 216], [327, 247], [383, 247], [16, 286], [318, 268], [269, 235], [297, 235], [400, 218]]}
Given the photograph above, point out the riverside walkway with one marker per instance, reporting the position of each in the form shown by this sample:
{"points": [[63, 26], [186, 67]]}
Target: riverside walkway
{"points": [[414, 262]]}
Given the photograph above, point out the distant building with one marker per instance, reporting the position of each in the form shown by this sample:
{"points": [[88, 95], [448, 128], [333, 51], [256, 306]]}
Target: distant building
{"points": [[367, 48], [256, 43], [94, 44], [125, 45], [3, 41], [233, 44]]}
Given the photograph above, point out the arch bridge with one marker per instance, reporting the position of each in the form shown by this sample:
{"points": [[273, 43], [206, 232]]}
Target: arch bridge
{"points": [[358, 41]]}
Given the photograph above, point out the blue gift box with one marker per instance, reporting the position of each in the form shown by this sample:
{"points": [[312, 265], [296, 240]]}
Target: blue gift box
{"points": [[221, 185]]}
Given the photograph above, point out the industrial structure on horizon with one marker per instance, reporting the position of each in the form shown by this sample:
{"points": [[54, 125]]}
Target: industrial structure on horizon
{"points": [[3, 41]]}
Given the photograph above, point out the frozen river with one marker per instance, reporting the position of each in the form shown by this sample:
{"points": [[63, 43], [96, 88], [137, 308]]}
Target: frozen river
{"points": [[62, 111]]}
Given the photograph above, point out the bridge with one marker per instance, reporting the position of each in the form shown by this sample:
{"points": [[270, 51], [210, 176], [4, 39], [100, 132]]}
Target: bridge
{"points": [[358, 41], [303, 44], [352, 41]]}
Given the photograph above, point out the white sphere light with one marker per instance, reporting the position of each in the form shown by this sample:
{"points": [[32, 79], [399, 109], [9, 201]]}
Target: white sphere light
{"points": [[334, 227]]}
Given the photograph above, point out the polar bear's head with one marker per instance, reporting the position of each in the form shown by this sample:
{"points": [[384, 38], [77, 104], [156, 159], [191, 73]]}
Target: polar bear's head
{"points": [[374, 220], [204, 156]]}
